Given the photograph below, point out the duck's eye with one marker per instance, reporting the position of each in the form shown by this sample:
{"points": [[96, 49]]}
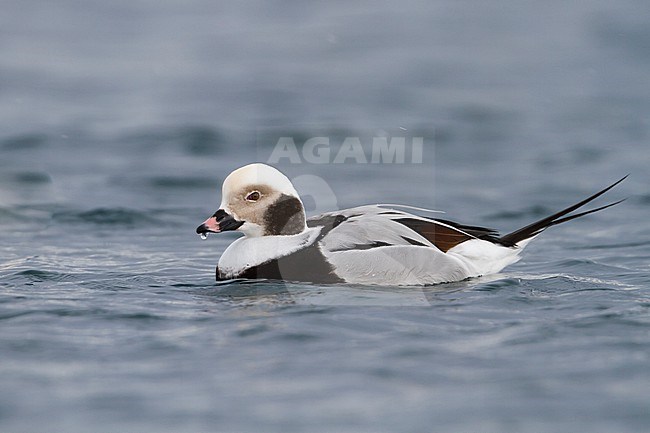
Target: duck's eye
{"points": [[253, 196]]}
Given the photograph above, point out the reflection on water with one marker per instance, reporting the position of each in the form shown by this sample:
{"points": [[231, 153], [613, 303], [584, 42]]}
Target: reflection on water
{"points": [[262, 292]]}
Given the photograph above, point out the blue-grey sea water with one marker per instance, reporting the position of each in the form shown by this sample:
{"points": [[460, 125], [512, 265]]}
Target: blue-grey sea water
{"points": [[119, 120]]}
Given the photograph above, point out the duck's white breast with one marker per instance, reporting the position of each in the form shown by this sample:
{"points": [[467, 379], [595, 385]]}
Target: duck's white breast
{"points": [[247, 251]]}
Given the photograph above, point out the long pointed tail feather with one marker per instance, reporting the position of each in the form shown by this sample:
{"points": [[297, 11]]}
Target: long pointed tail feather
{"points": [[512, 239]]}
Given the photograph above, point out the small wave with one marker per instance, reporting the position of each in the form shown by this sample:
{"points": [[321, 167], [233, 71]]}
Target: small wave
{"points": [[644, 199], [139, 316], [503, 283], [531, 212], [8, 215], [26, 177], [200, 140], [602, 284], [31, 177], [106, 216], [612, 246], [196, 140], [573, 263], [39, 275], [166, 182], [24, 142]]}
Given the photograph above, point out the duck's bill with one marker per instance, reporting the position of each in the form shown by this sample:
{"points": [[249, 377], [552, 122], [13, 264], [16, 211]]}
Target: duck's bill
{"points": [[221, 221]]}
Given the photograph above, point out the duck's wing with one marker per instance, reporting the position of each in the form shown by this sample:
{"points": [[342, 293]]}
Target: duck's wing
{"points": [[372, 245], [368, 227]]}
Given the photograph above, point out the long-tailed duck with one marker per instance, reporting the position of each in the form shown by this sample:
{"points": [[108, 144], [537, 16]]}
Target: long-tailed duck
{"points": [[372, 244]]}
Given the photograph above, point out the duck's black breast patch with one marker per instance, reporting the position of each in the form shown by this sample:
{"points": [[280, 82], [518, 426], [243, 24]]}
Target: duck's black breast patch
{"points": [[306, 265], [285, 216]]}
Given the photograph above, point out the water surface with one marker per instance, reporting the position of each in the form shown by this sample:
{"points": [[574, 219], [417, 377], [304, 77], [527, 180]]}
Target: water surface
{"points": [[119, 122]]}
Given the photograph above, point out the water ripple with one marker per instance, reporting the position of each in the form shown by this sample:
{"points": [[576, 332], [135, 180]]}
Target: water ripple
{"points": [[106, 216], [23, 142], [165, 182], [38, 275]]}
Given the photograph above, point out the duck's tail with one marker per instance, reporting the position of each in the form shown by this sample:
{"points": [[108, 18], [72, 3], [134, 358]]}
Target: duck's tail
{"points": [[518, 236]]}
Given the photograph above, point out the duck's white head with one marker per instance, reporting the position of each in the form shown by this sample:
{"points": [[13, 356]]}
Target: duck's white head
{"points": [[257, 200]]}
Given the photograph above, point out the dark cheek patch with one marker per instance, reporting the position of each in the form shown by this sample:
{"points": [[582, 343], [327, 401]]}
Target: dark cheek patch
{"points": [[285, 216]]}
